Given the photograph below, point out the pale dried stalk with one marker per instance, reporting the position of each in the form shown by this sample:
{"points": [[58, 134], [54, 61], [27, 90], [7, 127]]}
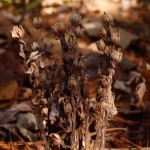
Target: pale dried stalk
{"points": [[67, 99], [105, 99]]}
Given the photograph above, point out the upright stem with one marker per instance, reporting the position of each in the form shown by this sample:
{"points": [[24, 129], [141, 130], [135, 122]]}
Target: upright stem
{"points": [[102, 142], [97, 138], [64, 50], [87, 133], [46, 145], [73, 133]]}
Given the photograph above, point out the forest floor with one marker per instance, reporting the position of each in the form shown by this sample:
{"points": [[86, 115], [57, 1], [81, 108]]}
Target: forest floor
{"points": [[130, 128]]}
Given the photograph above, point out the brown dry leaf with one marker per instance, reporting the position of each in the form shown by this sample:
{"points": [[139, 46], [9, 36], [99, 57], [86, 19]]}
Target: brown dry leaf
{"points": [[26, 122], [9, 115], [25, 93], [126, 37], [9, 90], [23, 107], [120, 85]]}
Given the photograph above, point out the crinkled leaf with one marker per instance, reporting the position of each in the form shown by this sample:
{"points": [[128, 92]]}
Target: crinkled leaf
{"points": [[140, 91], [33, 54], [22, 55]]}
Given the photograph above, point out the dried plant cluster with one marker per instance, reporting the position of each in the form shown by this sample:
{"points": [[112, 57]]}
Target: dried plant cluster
{"points": [[67, 116]]}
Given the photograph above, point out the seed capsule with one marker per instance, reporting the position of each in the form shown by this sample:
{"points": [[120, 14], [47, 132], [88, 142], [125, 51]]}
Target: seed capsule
{"points": [[108, 19], [116, 56], [100, 45], [59, 29], [37, 22], [115, 37], [78, 32], [18, 32], [75, 19], [103, 33]]}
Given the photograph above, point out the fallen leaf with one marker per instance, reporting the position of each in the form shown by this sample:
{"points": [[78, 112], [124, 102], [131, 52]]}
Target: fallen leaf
{"points": [[9, 90], [26, 122], [120, 85], [9, 115]]}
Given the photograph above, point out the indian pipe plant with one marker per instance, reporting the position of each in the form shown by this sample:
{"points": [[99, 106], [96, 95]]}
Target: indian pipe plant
{"points": [[67, 116]]}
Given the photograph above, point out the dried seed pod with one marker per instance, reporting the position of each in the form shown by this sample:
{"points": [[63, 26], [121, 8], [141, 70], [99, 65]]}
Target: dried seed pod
{"points": [[75, 19], [59, 29], [116, 56], [115, 37], [72, 82], [78, 32], [18, 32], [103, 33], [107, 50], [104, 81], [37, 22], [68, 108], [100, 45], [108, 19]]}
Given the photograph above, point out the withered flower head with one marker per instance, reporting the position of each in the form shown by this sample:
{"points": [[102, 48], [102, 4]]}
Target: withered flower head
{"points": [[103, 33], [100, 45], [115, 37], [108, 19], [59, 29], [116, 56], [37, 22], [78, 32], [75, 19], [18, 32]]}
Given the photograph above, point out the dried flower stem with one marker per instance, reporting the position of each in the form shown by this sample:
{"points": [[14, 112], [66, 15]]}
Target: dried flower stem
{"points": [[61, 93]]}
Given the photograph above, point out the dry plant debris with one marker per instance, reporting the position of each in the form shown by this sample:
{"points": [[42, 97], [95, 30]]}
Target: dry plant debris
{"points": [[66, 115]]}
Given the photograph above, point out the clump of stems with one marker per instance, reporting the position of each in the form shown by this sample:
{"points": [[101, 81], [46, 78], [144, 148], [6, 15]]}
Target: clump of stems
{"points": [[61, 97]]}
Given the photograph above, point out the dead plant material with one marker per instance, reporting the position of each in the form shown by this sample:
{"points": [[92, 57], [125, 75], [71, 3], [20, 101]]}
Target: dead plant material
{"points": [[66, 115]]}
